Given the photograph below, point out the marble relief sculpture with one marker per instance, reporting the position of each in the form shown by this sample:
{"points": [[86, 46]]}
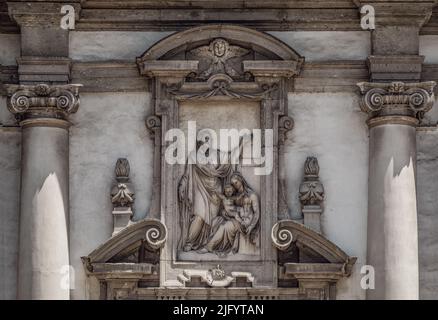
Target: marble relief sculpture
{"points": [[219, 211]]}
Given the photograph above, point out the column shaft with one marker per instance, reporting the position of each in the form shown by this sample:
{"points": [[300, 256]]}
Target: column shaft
{"points": [[395, 110], [392, 212], [43, 251]]}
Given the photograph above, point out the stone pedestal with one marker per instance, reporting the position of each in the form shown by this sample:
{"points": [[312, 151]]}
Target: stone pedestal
{"points": [[43, 264], [312, 217], [395, 109]]}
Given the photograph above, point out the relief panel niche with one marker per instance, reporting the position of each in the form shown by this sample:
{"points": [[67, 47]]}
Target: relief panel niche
{"points": [[231, 231]]}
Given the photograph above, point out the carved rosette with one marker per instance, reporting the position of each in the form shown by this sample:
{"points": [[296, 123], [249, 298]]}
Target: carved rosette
{"points": [[398, 101], [43, 101]]}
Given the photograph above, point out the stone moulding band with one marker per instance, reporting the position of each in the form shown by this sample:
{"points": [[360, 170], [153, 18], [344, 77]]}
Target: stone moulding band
{"points": [[45, 122], [402, 120]]}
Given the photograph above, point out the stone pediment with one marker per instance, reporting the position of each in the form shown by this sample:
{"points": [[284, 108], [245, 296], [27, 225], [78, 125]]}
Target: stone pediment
{"points": [[130, 246], [235, 51], [306, 254]]}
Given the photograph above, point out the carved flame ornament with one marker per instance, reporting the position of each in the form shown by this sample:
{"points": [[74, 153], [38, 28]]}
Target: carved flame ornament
{"points": [[311, 189], [121, 195]]}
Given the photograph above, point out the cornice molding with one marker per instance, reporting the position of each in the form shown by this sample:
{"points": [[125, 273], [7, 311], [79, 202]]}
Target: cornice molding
{"points": [[396, 13], [40, 13]]}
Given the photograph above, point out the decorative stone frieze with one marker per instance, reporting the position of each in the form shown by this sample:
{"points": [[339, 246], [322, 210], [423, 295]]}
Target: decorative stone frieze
{"points": [[396, 102], [122, 196], [311, 195], [42, 101]]}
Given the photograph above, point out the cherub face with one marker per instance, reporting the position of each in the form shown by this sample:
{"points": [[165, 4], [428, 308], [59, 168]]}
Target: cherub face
{"points": [[219, 48], [228, 191]]}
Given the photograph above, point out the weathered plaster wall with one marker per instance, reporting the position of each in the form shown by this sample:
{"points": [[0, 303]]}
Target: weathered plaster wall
{"points": [[427, 191], [9, 49], [328, 45], [332, 128], [10, 151], [109, 45], [428, 48], [106, 127]]}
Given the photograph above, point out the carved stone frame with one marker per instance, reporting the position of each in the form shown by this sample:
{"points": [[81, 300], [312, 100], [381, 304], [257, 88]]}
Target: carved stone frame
{"points": [[272, 79]]}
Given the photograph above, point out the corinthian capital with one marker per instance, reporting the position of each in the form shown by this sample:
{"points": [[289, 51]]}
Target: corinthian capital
{"points": [[398, 100], [43, 101]]}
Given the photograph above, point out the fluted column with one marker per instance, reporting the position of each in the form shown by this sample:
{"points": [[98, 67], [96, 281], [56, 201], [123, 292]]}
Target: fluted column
{"points": [[395, 110], [42, 111]]}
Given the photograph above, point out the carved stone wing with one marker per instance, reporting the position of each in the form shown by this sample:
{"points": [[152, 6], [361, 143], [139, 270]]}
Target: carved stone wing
{"points": [[235, 51], [202, 53]]}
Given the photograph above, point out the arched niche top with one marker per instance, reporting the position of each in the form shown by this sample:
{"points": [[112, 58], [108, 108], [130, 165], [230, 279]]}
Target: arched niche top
{"points": [[256, 40]]}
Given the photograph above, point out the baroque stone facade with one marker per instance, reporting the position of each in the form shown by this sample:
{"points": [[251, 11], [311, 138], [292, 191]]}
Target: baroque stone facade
{"points": [[94, 208]]}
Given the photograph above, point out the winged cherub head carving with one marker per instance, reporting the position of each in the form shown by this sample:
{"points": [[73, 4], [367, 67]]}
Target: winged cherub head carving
{"points": [[217, 54]]}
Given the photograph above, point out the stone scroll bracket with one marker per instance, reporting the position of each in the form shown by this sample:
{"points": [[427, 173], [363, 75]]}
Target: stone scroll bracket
{"points": [[309, 259]]}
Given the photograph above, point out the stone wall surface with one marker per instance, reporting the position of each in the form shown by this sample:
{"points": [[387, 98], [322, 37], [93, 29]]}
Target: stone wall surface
{"points": [[10, 151], [427, 190], [111, 45], [9, 49], [332, 128], [328, 45], [106, 127]]}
